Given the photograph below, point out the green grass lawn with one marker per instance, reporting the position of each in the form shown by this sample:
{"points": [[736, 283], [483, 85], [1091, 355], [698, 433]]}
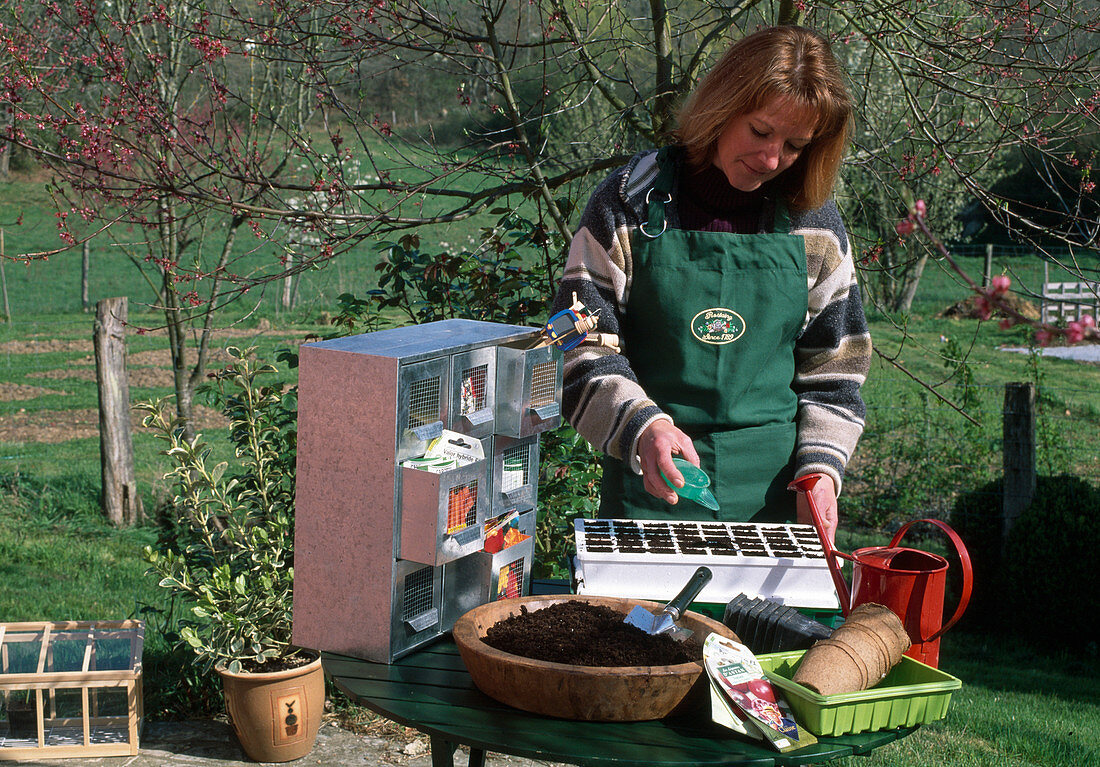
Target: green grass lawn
{"points": [[1016, 707], [59, 559]]}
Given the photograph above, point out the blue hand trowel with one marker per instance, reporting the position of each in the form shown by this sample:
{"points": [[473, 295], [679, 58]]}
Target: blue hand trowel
{"points": [[696, 484]]}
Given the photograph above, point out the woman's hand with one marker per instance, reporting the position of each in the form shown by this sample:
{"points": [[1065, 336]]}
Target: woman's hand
{"points": [[824, 494], [658, 443]]}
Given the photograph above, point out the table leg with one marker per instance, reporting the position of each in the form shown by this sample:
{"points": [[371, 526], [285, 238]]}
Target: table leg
{"points": [[443, 753]]}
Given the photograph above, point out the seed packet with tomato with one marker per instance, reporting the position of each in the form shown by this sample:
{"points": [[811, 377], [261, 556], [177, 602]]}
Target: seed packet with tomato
{"points": [[735, 671]]}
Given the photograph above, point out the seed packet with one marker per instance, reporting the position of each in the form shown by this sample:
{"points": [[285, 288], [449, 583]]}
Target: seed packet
{"points": [[455, 446], [747, 694]]}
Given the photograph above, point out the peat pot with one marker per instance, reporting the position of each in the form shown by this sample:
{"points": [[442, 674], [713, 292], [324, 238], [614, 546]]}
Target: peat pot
{"points": [[276, 714], [589, 693]]}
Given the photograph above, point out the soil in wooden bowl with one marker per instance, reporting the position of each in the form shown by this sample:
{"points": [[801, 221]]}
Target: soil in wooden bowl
{"points": [[583, 634]]}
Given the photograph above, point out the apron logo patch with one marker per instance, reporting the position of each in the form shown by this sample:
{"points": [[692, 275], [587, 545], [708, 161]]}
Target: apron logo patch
{"points": [[717, 326]]}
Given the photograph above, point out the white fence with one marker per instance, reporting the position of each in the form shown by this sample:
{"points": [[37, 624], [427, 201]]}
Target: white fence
{"points": [[1067, 301]]}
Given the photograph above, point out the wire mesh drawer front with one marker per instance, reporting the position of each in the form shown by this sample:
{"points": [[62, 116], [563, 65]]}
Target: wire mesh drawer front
{"points": [[442, 514], [473, 392], [653, 559], [423, 401], [483, 576], [528, 390], [416, 617], [515, 474], [511, 570]]}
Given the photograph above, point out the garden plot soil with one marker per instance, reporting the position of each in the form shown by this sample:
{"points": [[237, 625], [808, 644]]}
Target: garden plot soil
{"points": [[45, 345], [13, 392], [139, 378], [583, 634], [53, 426], [146, 369]]}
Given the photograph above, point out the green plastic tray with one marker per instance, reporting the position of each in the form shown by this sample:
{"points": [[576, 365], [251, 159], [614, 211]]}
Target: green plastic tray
{"points": [[912, 693]]}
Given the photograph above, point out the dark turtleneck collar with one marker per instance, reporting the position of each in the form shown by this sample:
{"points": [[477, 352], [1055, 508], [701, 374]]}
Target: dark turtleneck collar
{"points": [[708, 203]]}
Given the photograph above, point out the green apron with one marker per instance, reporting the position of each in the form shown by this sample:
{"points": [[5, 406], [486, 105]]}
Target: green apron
{"points": [[710, 327]]}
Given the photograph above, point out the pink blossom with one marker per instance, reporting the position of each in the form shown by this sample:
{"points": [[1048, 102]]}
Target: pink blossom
{"points": [[983, 307], [1088, 322], [1043, 337], [1001, 284], [905, 227], [1075, 333], [920, 209]]}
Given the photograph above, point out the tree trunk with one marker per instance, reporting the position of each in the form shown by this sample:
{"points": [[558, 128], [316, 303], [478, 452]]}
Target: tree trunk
{"points": [[663, 113], [85, 269], [790, 12], [4, 280], [121, 501], [909, 287], [288, 283], [6, 147]]}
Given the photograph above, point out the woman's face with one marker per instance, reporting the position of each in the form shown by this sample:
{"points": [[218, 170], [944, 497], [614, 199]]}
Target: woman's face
{"points": [[758, 146]]}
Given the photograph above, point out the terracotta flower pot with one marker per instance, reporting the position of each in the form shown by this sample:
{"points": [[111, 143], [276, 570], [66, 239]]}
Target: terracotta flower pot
{"points": [[276, 714]]}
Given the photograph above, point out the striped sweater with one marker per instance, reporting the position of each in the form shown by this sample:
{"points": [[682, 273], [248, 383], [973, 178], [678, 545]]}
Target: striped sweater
{"points": [[602, 398]]}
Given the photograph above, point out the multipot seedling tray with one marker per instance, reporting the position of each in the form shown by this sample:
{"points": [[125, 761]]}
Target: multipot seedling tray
{"points": [[653, 559]]}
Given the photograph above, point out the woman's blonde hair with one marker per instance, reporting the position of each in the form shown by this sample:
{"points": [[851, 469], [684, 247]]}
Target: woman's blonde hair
{"points": [[779, 62]]}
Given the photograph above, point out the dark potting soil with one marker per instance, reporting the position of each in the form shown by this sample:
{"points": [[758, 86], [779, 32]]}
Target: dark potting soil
{"points": [[277, 664], [583, 634]]}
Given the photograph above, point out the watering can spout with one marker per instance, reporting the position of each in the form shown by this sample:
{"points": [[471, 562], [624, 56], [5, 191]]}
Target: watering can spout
{"points": [[805, 485]]}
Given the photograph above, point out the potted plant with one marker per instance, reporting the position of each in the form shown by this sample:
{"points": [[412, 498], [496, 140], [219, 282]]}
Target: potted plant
{"points": [[228, 555]]}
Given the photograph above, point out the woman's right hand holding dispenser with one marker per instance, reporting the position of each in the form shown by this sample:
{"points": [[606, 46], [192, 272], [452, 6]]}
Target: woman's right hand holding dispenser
{"points": [[657, 444]]}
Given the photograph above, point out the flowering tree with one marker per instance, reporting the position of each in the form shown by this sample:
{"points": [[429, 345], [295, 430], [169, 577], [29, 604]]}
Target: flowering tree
{"points": [[208, 123], [160, 117], [956, 99]]}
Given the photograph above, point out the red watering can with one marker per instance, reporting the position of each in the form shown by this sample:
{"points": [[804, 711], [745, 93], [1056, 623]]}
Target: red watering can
{"points": [[908, 581]]}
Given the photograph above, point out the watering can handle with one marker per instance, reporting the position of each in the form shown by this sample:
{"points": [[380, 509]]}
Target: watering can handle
{"points": [[964, 561], [805, 485]]}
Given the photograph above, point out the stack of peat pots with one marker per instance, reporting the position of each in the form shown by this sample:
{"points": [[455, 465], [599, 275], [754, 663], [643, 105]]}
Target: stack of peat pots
{"points": [[856, 656]]}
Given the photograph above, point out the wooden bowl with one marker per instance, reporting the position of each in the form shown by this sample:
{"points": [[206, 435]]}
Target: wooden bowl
{"points": [[589, 693]]}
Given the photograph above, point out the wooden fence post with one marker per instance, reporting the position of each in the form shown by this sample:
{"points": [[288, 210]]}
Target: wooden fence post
{"points": [[1019, 450], [4, 280], [121, 501]]}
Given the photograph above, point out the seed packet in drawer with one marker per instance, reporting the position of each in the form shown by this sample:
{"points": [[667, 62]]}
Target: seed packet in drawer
{"points": [[457, 447], [735, 671]]}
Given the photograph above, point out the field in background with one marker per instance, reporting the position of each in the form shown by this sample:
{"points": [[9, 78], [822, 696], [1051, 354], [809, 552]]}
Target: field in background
{"points": [[59, 560]]}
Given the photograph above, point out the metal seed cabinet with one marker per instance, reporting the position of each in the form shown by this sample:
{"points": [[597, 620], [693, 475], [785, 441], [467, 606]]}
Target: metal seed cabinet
{"points": [[388, 556]]}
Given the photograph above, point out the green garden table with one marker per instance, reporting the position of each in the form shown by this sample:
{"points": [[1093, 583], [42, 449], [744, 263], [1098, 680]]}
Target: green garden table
{"points": [[431, 691]]}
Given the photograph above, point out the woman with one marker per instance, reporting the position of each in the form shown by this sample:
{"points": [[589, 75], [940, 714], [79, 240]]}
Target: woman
{"points": [[725, 270]]}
